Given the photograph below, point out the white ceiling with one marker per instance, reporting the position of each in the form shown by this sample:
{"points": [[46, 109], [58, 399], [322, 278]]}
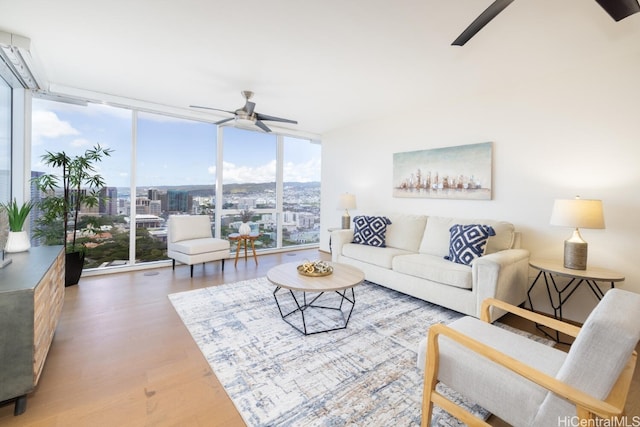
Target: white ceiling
{"points": [[325, 63]]}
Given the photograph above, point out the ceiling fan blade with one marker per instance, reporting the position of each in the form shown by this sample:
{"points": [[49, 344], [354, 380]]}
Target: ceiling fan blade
{"points": [[620, 9], [274, 119], [483, 19], [224, 121], [249, 107], [210, 108], [262, 126]]}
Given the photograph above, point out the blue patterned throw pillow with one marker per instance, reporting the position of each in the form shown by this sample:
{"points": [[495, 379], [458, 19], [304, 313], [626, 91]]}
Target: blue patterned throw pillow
{"points": [[370, 230], [468, 242]]}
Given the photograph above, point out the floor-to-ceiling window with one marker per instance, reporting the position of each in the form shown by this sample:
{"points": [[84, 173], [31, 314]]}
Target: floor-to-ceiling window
{"points": [[163, 165], [301, 192], [249, 183], [175, 175], [5, 141], [72, 128]]}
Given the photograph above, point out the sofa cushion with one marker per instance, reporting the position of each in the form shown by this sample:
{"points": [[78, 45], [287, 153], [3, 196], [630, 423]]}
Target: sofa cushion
{"points": [[504, 238], [434, 268], [370, 230], [405, 231], [435, 240], [468, 242], [381, 257], [199, 246]]}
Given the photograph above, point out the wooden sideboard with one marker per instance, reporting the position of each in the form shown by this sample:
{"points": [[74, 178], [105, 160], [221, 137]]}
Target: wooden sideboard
{"points": [[31, 298]]}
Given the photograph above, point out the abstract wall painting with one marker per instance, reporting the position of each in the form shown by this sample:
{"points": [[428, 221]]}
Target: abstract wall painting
{"points": [[461, 172]]}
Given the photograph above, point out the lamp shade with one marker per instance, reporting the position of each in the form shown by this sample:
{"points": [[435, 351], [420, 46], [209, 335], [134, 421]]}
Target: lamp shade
{"points": [[347, 201], [577, 213]]}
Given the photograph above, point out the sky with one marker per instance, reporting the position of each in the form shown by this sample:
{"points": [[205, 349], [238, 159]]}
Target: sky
{"points": [[170, 151]]}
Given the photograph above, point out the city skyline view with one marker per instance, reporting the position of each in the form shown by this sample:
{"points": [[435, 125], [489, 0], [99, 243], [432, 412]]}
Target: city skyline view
{"points": [[176, 170]]}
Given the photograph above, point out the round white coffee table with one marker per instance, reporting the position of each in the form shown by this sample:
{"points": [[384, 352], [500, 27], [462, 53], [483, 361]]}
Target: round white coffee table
{"points": [[296, 287]]}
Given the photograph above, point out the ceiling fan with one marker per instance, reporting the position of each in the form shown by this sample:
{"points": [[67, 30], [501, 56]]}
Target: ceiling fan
{"points": [[617, 9], [247, 114]]}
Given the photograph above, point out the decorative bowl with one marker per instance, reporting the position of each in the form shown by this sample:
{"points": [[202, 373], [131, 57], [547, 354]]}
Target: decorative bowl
{"points": [[315, 269]]}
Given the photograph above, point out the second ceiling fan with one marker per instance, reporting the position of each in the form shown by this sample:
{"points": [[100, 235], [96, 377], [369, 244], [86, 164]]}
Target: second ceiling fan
{"points": [[617, 9], [247, 114]]}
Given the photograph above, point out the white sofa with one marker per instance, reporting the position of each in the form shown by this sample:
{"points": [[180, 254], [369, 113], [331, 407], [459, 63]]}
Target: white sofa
{"points": [[413, 262]]}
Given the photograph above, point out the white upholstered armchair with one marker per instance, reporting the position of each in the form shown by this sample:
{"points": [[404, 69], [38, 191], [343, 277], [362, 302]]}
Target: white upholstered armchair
{"points": [[526, 383], [189, 241]]}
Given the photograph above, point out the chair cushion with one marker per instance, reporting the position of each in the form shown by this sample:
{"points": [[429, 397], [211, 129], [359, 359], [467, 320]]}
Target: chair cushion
{"points": [[599, 352], [468, 242], [495, 388], [186, 227], [370, 230], [199, 246], [434, 268]]}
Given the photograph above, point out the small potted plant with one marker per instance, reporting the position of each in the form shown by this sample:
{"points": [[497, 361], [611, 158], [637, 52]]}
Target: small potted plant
{"points": [[78, 185], [18, 239]]}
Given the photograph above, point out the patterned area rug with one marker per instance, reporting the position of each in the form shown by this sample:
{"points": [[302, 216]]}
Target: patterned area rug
{"points": [[364, 375]]}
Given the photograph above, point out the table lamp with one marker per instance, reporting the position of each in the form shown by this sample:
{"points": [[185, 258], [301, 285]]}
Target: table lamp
{"points": [[577, 213], [347, 201]]}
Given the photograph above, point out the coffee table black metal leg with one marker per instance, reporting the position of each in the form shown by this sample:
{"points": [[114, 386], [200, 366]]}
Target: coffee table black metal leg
{"points": [[310, 304]]}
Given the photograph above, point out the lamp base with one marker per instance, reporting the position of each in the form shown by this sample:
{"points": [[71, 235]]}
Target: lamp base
{"points": [[346, 221], [575, 255]]}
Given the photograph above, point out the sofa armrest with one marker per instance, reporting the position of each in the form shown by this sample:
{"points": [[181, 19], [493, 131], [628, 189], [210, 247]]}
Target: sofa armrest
{"points": [[338, 239], [501, 275]]}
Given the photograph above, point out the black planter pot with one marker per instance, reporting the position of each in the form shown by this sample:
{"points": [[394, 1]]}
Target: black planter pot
{"points": [[73, 268]]}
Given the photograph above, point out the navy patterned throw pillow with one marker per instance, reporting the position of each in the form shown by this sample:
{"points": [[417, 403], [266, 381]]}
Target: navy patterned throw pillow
{"points": [[370, 230], [468, 242]]}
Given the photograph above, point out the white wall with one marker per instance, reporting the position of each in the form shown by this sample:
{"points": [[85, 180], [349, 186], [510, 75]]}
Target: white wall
{"points": [[569, 134]]}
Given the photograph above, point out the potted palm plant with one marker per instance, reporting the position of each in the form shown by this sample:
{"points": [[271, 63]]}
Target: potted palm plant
{"points": [[77, 185], [18, 239]]}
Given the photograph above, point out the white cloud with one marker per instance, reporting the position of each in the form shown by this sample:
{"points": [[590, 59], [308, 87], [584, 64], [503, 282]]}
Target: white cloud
{"points": [[255, 174], [46, 124], [302, 172]]}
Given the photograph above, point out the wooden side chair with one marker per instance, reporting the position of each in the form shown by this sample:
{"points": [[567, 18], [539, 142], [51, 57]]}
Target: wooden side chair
{"points": [[190, 241], [527, 383]]}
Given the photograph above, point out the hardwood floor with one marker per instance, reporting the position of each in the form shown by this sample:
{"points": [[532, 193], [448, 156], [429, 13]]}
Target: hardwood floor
{"points": [[122, 357]]}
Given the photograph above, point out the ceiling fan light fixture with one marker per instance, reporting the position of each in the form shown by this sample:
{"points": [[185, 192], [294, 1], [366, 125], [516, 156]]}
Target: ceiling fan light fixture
{"points": [[245, 123], [246, 117]]}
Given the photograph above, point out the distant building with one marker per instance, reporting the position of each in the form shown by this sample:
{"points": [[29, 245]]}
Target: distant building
{"points": [[155, 207], [306, 220], [178, 201], [154, 194], [246, 203], [109, 201], [289, 217], [142, 206], [146, 221]]}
